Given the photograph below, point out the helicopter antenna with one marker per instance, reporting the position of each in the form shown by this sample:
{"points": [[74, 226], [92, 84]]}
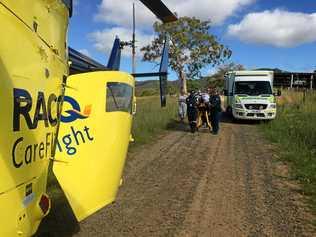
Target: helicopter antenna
{"points": [[133, 41]]}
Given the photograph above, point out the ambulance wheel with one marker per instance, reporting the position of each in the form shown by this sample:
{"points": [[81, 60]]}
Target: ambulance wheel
{"points": [[235, 120]]}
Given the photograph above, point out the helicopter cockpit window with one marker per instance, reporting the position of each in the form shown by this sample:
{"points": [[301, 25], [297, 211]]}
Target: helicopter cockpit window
{"points": [[68, 4], [119, 97]]}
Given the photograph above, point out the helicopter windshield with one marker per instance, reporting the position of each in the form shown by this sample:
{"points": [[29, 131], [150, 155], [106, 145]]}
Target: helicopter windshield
{"points": [[119, 97]]}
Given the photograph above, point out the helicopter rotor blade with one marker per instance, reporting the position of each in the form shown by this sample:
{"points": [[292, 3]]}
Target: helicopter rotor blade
{"points": [[160, 10]]}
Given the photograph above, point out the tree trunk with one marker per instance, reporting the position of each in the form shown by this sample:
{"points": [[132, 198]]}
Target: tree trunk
{"points": [[182, 82]]}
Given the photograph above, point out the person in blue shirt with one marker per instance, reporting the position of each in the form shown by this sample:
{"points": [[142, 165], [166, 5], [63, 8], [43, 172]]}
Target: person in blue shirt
{"points": [[215, 110]]}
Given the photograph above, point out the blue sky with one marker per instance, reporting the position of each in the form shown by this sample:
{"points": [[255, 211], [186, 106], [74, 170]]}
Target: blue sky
{"points": [[261, 33]]}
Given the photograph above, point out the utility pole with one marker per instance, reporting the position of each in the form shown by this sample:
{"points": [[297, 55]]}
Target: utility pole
{"points": [[133, 42]]}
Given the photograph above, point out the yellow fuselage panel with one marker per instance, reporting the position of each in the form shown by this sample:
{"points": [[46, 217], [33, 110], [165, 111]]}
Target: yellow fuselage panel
{"points": [[92, 141], [47, 18], [31, 77]]}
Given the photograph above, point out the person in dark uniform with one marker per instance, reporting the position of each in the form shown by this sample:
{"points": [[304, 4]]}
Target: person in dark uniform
{"points": [[215, 110], [192, 110]]}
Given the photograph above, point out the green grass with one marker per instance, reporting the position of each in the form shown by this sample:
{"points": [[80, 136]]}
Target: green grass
{"points": [[294, 131], [151, 119]]}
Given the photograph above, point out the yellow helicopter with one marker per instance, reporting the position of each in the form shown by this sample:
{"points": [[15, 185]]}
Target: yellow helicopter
{"points": [[85, 128]]}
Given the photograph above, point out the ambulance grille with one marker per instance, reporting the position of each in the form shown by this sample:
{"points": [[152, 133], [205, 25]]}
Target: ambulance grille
{"points": [[256, 106]]}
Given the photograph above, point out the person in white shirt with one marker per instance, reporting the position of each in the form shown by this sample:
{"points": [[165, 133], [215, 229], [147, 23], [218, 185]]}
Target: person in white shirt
{"points": [[182, 106], [205, 98]]}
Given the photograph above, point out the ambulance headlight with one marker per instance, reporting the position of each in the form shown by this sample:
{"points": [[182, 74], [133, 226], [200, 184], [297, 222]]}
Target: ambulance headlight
{"points": [[273, 106], [238, 106]]}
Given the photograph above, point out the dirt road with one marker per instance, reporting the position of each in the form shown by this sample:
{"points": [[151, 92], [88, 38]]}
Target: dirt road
{"points": [[199, 185]]}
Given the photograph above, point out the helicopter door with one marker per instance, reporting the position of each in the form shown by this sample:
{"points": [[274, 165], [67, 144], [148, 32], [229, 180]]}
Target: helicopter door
{"points": [[93, 138]]}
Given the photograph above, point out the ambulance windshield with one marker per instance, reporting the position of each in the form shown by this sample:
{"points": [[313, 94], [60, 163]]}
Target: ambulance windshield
{"points": [[119, 97], [253, 88]]}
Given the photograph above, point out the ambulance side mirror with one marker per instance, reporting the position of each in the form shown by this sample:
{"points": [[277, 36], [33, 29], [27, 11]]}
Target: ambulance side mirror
{"points": [[279, 93]]}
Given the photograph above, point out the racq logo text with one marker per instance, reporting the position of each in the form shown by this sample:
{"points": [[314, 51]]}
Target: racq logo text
{"points": [[75, 113], [28, 149], [31, 147], [76, 136]]}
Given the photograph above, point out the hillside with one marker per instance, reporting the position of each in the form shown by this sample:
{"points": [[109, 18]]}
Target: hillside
{"points": [[151, 87]]}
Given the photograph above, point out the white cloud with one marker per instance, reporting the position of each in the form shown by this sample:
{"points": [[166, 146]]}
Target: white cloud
{"points": [[279, 28], [120, 14], [103, 40], [215, 10], [85, 52]]}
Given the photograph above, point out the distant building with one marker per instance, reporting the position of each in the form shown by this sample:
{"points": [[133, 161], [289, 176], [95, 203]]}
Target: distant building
{"points": [[293, 79]]}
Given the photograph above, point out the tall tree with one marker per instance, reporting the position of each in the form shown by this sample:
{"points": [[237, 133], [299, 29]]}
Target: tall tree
{"points": [[222, 70], [217, 79], [192, 47]]}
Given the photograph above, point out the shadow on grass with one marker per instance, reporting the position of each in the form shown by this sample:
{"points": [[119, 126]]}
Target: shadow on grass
{"points": [[61, 220], [176, 125], [228, 118]]}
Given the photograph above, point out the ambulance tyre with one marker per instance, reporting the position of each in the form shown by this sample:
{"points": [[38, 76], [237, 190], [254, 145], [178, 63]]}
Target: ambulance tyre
{"points": [[234, 120]]}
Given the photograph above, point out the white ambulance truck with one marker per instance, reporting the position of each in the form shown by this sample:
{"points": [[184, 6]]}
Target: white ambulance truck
{"points": [[249, 95]]}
